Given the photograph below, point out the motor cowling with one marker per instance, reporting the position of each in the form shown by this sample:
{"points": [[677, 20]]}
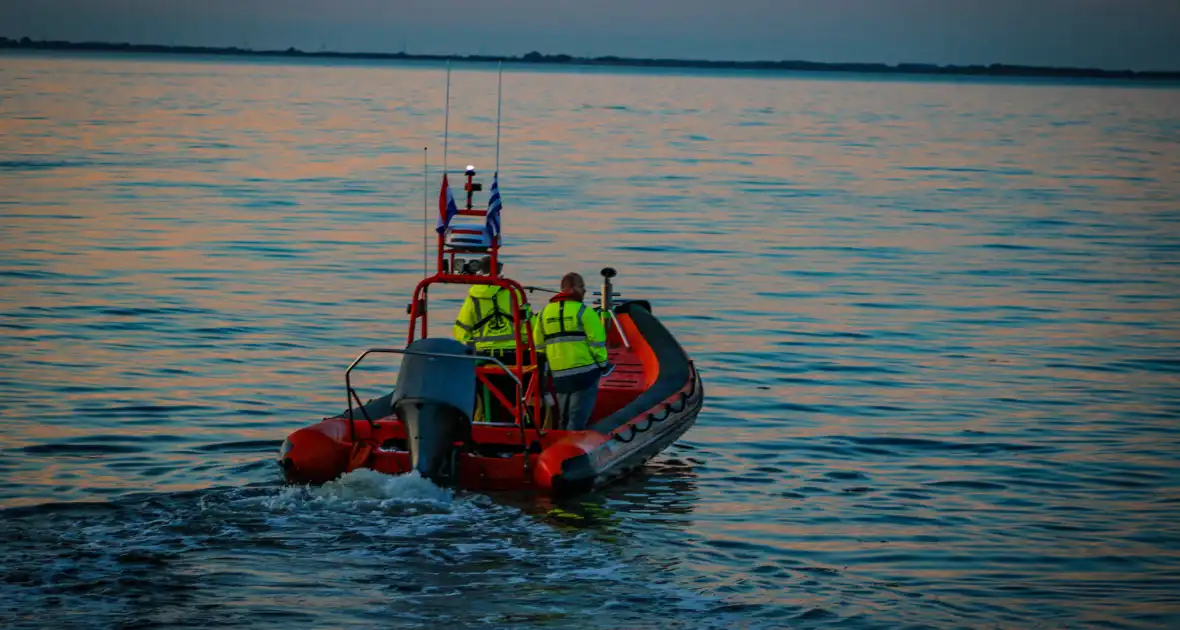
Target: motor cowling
{"points": [[435, 400]]}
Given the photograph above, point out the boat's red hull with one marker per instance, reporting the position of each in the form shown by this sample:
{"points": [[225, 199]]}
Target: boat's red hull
{"points": [[649, 401]]}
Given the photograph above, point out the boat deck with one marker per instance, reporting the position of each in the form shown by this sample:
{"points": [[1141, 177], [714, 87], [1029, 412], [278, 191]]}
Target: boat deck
{"points": [[623, 385]]}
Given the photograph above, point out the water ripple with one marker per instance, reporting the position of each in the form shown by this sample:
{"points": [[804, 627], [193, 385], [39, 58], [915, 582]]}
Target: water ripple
{"points": [[936, 323]]}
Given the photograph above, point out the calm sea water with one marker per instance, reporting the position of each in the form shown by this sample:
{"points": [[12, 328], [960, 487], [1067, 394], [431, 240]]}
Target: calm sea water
{"points": [[938, 323]]}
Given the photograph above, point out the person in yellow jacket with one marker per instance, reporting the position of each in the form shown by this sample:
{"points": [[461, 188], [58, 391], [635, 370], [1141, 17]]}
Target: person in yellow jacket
{"points": [[574, 342], [486, 325], [485, 320]]}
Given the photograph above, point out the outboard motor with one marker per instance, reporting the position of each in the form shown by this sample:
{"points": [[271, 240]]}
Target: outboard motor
{"points": [[435, 399]]}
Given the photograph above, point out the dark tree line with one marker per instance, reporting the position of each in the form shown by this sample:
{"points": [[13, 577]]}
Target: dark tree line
{"points": [[995, 69]]}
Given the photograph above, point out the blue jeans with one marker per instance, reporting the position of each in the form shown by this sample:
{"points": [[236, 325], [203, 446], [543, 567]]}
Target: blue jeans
{"points": [[576, 407]]}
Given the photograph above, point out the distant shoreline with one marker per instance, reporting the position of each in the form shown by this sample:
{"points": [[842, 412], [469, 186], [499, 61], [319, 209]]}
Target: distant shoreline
{"points": [[993, 70]]}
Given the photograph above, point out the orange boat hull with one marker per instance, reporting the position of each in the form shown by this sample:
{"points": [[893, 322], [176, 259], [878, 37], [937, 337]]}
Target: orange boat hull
{"points": [[649, 401]]}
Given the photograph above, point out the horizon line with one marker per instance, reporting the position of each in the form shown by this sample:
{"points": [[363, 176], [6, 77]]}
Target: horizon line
{"points": [[535, 57]]}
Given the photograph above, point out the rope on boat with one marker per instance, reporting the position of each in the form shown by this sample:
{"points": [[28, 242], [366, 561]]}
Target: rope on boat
{"points": [[652, 419], [668, 411]]}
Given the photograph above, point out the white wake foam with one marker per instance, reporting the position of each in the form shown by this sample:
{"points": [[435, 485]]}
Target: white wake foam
{"points": [[364, 488]]}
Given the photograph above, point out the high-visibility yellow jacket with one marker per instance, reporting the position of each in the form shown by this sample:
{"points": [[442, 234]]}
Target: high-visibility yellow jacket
{"points": [[485, 320], [574, 342]]}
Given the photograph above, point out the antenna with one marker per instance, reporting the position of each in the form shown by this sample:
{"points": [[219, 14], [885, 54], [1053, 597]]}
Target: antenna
{"points": [[447, 117], [425, 206], [499, 101]]}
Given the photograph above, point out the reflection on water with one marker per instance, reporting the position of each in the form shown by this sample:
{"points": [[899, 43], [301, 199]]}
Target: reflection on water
{"points": [[936, 322]]}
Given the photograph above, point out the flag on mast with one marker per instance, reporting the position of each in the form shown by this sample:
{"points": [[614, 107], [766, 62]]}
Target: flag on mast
{"points": [[446, 207], [494, 206]]}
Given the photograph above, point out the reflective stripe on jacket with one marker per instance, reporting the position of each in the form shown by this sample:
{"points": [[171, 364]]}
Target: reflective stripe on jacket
{"points": [[574, 342], [485, 320]]}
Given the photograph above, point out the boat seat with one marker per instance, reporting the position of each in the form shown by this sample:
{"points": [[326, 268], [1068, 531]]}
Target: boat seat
{"points": [[468, 237]]}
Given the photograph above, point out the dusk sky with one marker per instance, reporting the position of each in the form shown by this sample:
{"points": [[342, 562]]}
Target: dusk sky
{"points": [[1137, 34]]}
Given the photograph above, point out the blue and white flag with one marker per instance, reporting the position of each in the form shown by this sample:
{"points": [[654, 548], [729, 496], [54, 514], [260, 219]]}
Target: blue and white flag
{"points": [[446, 207], [493, 224]]}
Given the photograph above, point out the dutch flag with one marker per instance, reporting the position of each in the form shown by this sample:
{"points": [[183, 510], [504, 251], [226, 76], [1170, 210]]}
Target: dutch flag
{"points": [[494, 205], [446, 207]]}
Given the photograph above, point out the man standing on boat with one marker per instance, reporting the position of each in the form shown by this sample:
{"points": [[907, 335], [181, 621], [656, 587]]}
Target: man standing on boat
{"points": [[574, 342], [485, 321]]}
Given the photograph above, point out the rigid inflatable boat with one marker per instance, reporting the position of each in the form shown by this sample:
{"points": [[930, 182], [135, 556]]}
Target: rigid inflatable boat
{"points": [[433, 421], [650, 399]]}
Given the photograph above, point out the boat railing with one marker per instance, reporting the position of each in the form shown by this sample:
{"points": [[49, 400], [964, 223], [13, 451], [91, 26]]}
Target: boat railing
{"points": [[353, 396]]}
